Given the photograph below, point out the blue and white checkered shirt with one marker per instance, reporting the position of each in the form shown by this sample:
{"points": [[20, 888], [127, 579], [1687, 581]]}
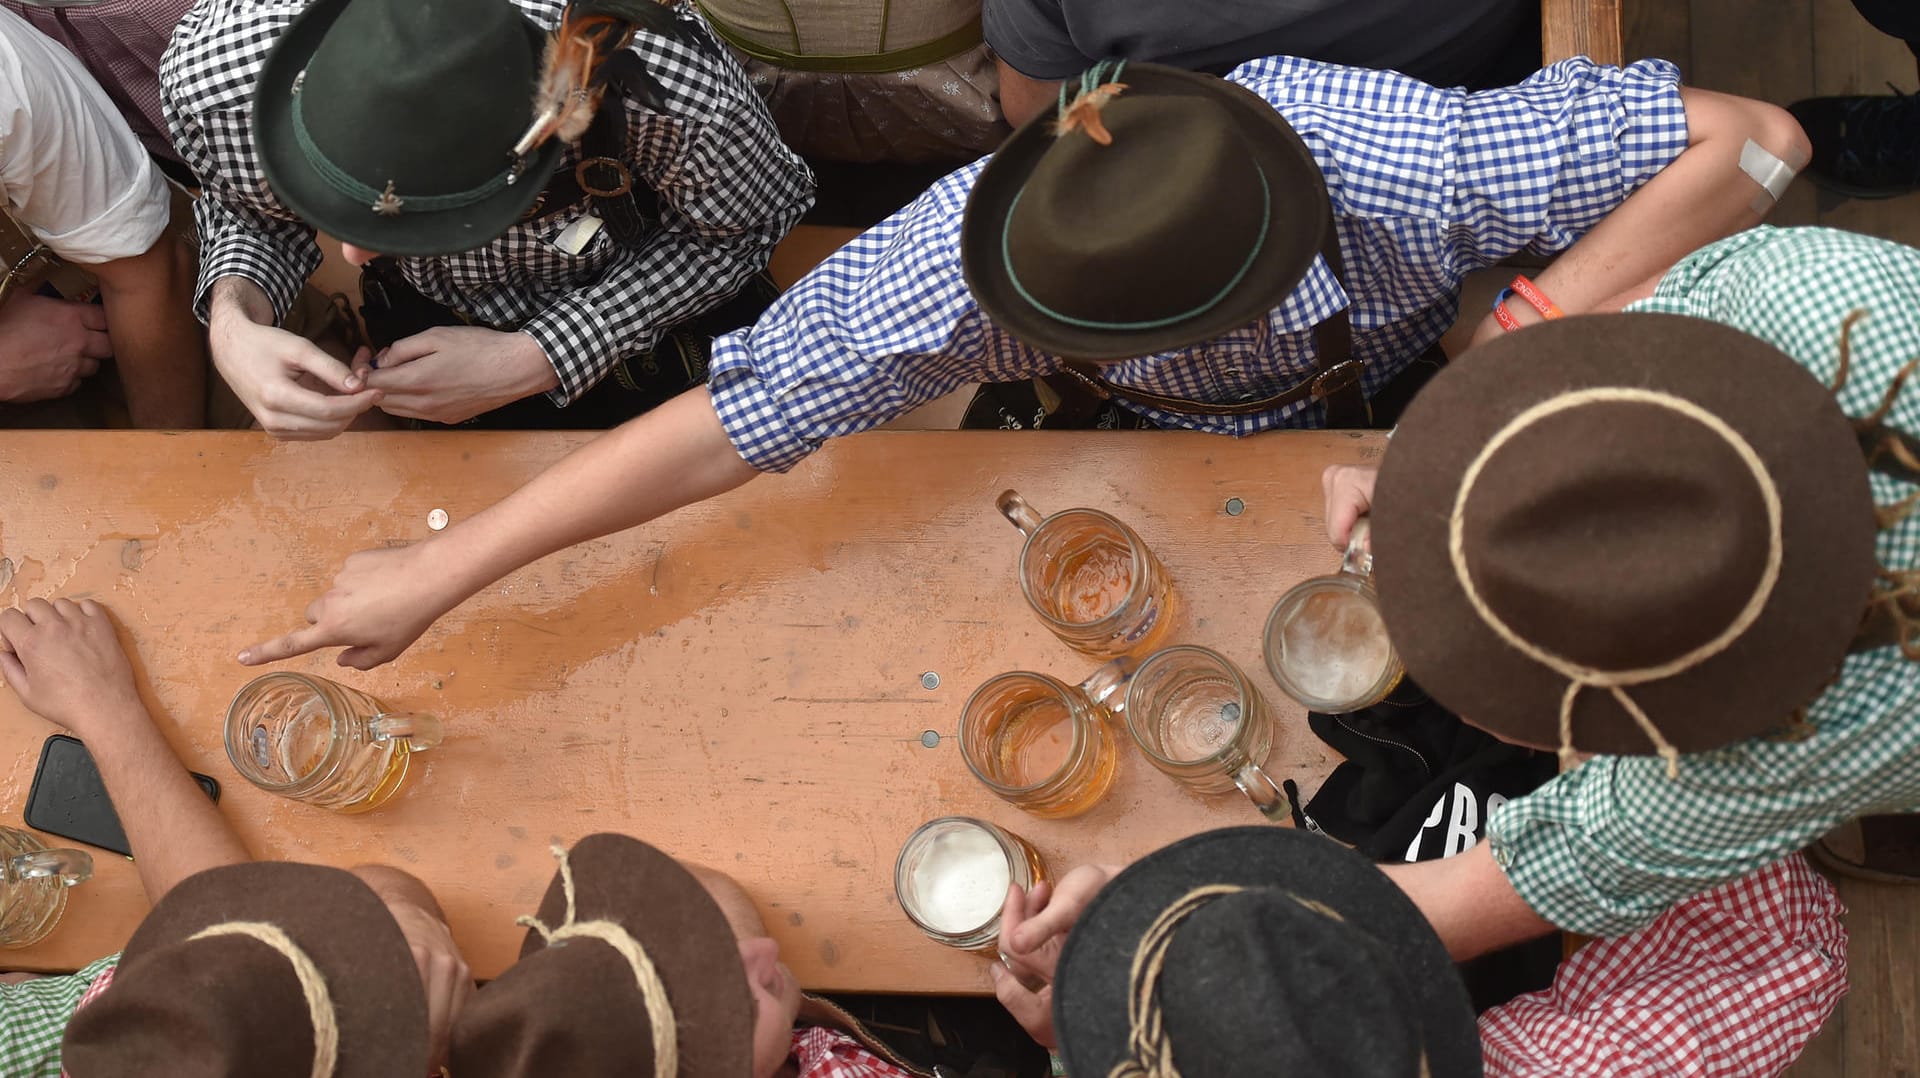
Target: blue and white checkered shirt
{"points": [[1427, 185]]}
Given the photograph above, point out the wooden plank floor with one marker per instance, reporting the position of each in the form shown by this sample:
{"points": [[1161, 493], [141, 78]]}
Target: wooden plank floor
{"points": [[1781, 51]]}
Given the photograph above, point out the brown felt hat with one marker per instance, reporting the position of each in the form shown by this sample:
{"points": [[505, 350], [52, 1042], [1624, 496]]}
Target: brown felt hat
{"points": [[1629, 511], [1203, 211], [200, 993], [621, 913]]}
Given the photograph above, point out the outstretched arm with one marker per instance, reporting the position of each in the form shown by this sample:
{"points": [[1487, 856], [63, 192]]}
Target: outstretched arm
{"points": [[1469, 902], [1702, 196], [64, 661], [383, 600]]}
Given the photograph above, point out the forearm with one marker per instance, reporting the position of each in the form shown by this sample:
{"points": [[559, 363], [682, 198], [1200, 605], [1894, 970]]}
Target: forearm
{"points": [[1469, 902], [673, 456], [174, 830], [160, 348], [276, 255], [1700, 197]]}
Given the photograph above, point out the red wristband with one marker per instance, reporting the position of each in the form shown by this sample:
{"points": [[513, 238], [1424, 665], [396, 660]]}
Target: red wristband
{"points": [[1524, 287]]}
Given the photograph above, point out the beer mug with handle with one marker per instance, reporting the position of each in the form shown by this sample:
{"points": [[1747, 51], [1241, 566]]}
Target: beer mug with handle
{"points": [[321, 742], [1326, 642], [1197, 718], [33, 886], [1091, 580]]}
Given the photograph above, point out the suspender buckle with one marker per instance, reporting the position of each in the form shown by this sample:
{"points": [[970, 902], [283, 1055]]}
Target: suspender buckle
{"points": [[603, 177], [1338, 378]]}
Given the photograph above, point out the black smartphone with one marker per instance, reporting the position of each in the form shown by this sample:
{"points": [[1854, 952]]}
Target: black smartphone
{"points": [[68, 799]]}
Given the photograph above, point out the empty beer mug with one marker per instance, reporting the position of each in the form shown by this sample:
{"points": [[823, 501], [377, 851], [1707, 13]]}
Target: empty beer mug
{"points": [[952, 877], [33, 886], [1326, 643], [1041, 744], [320, 742], [1091, 579], [1197, 718]]}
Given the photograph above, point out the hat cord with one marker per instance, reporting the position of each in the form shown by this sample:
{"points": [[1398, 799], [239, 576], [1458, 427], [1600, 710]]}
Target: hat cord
{"points": [[313, 985], [1149, 1055], [1617, 682], [666, 1046]]}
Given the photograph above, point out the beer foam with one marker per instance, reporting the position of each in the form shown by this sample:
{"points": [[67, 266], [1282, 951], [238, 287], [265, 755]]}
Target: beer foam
{"points": [[1335, 646], [961, 881]]}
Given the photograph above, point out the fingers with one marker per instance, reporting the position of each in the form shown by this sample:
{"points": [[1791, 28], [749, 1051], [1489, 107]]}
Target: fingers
{"points": [[94, 347], [66, 609], [330, 371], [407, 349], [364, 658], [1062, 909], [92, 317], [1033, 1010], [13, 622], [38, 611], [1349, 496], [91, 609], [298, 411], [298, 642], [13, 672]]}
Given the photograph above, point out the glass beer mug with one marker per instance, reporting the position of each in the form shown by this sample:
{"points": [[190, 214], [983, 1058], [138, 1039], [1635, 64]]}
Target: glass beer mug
{"points": [[1091, 579], [1043, 745], [1326, 643], [320, 742], [952, 875], [33, 886], [1197, 718]]}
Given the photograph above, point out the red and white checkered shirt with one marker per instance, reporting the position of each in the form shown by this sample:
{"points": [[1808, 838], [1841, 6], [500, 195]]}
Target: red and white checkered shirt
{"points": [[120, 42], [1728, 984], [829, 1053]]}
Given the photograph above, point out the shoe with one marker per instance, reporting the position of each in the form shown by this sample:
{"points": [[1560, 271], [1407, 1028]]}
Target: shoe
{"points": [[1863, 146], [1882, 848]]}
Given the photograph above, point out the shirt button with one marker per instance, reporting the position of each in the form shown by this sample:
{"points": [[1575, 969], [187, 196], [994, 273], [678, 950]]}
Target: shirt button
{"points": [[1501, 855]]}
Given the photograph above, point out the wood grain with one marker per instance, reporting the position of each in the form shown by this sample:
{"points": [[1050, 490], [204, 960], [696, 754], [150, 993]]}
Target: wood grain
{"points": [[1581, 28], [739, 683]]}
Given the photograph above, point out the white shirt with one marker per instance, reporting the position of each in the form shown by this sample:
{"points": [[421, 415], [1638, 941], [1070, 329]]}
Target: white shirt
{"points": [[73, 173]]}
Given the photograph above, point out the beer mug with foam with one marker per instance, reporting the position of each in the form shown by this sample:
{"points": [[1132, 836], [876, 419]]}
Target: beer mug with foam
{"points": [[1326, 643], [320, 742], [952, 876], [1091, 580], [33, 886]]}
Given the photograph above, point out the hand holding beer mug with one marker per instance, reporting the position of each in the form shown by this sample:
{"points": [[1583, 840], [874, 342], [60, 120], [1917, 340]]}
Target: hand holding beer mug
{"points": [[1197, 718], [1041, 744], [320, 742], [1091, 580], [1326, 643], [952, 877], [33, 886]]}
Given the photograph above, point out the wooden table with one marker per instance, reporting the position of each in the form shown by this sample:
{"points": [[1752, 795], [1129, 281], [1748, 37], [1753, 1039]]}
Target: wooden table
{"points": [[744, 683], [1581, 28]]}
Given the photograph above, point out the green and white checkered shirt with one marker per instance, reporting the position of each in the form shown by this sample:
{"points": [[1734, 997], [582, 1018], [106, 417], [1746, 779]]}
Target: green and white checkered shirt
{"points": [[33, 1018], [1606, 847]]}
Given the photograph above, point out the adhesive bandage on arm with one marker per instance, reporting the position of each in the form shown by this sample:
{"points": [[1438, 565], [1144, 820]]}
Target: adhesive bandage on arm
{"points": [[1770, 172]]}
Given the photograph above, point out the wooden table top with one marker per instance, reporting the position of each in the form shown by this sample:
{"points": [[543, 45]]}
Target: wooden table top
{"points": [[740, 683]]}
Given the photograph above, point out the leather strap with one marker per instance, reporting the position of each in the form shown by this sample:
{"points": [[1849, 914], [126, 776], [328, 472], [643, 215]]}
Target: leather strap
{"points": [[1336, 377], [626, 204]]}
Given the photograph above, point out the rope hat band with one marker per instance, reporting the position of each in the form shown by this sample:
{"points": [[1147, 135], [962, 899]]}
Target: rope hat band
{"points": [[1150, 1052], [1583, 676], [313, 986], [387, 202], [653, 990]]}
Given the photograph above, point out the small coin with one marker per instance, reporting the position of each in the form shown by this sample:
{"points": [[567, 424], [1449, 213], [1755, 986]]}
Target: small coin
{"points": [[437, 519]]}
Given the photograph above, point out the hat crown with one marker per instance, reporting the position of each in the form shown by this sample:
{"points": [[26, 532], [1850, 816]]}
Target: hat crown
{"points": [[1156, 226], [429, 95], [1264, 977], [1617, 535]]}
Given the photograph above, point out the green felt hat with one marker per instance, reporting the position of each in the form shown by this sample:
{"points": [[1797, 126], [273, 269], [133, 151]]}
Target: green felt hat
{"points": [[390, 124]]}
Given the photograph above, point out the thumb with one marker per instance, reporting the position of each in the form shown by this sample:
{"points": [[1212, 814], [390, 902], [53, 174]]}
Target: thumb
{"points": [[408, 349], [13, 672], [333, 373]]}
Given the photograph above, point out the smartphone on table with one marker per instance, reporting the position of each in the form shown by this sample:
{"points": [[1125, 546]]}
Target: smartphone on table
{"points": [[69, 799]]}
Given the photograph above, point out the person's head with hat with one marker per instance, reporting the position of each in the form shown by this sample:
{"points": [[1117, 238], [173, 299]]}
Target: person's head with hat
{"points": [[632, 966], [1253, 950], [259, 969], [403, 127], [1154, 209], [1626, 534]]}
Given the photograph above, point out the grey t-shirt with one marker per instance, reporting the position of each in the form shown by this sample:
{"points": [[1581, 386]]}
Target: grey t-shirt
{"points": [[1444, 42]]}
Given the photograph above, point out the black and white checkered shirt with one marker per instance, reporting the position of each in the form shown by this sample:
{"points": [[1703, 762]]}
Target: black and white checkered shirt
{"points": [[729, 190]]}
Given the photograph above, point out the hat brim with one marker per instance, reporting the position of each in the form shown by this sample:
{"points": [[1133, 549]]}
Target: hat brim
{"points": [[1792, 422], [304, 191], [379, 1004], [685, 934], [1297, 205], [1092, 980]]}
